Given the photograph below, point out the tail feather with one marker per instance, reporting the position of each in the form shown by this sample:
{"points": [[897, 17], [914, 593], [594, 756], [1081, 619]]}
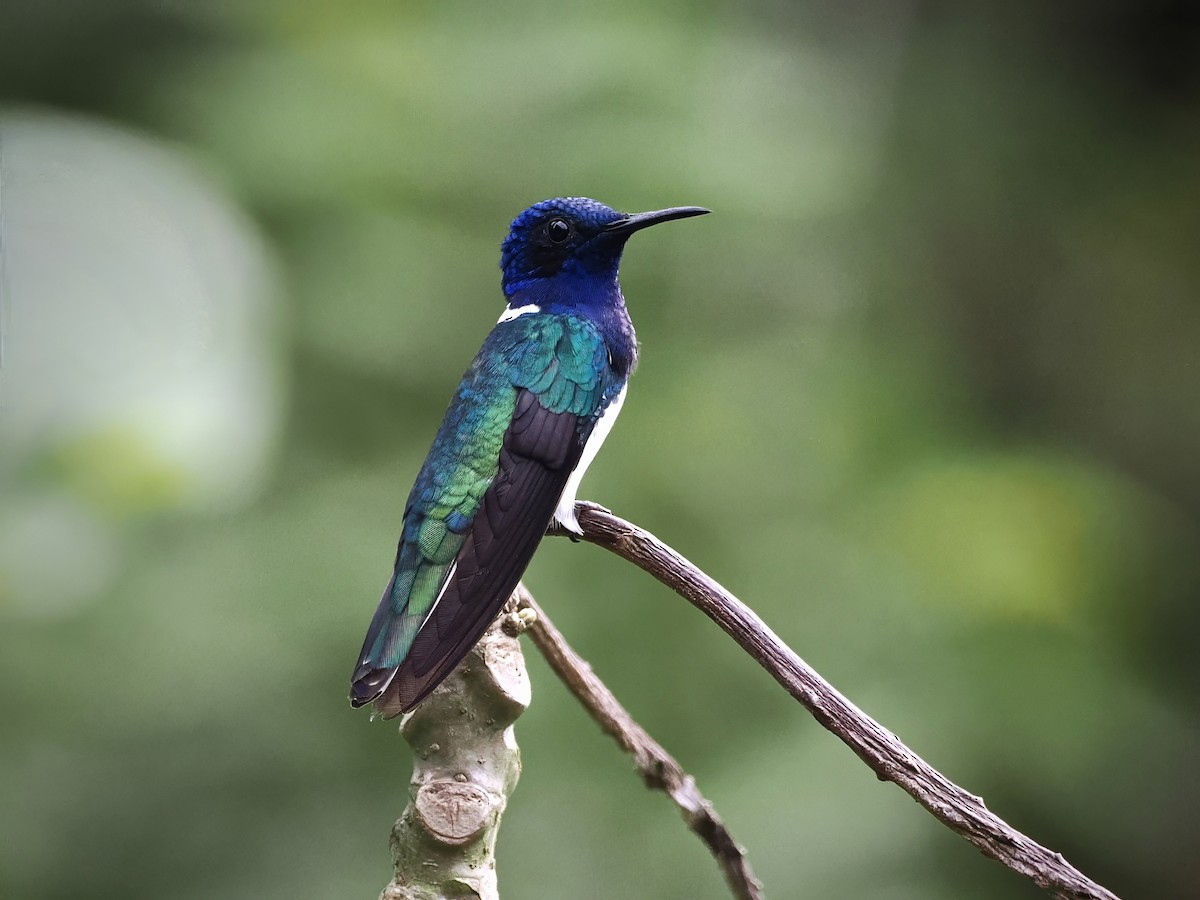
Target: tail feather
{"points": [[369, 683], [371, 679]]}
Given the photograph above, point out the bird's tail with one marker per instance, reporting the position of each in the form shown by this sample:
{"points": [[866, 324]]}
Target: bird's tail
{"points": [[371, 677], [369, 683]]}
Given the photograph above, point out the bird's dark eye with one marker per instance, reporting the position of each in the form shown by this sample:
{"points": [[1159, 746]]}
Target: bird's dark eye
{"points": [[558, 230]]}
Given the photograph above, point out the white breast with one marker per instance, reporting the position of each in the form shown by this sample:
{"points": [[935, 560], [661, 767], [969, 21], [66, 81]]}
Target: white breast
{"points": [[565, 512]]}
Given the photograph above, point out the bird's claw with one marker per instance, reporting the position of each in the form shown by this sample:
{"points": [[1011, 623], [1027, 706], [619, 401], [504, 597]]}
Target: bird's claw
{"points": [[518, 621]]}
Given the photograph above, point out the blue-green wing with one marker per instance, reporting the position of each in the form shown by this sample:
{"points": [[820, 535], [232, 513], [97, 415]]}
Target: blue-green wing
{"points": [[483, 499]]}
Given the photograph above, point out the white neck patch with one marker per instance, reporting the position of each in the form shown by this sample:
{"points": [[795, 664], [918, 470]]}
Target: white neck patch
{"points": [[510, 313]]}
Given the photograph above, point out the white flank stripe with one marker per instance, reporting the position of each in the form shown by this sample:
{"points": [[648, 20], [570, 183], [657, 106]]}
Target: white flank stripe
{"points": [[565, 513], [510, 313]]}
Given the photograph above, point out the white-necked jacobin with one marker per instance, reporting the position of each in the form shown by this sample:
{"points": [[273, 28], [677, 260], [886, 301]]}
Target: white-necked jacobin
{"points": [[525, 423]]}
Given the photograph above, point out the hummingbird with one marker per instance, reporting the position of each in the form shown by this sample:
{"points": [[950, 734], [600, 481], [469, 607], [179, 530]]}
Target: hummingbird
{"points": [[525, 423]]}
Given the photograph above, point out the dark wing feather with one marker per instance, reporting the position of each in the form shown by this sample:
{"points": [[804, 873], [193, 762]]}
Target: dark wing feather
{"points": [[540, 450]]}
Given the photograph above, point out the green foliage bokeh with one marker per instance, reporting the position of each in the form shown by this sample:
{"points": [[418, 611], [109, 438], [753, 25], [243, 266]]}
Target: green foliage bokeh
{"points": [[922, 390]]}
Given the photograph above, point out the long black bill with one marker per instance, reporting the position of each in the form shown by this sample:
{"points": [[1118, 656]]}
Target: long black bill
{"points": [[638, 221]]}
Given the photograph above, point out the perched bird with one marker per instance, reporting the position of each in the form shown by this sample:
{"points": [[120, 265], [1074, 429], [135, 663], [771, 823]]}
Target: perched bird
{"points": [[524, 424]]}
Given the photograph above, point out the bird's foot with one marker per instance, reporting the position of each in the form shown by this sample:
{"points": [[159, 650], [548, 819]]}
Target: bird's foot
{"points": [[518, 620], [568, 523]]}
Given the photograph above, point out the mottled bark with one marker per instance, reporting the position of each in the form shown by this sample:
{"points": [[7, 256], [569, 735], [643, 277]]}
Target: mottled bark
{"points": [[465, 764]]}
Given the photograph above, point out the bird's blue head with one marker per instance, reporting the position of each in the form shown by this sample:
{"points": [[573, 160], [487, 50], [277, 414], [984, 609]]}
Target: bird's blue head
{"points": [[566, 251]]}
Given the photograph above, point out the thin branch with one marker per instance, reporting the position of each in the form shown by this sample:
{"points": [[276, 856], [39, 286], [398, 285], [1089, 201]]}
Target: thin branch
{"points": [[658, 768], [887, 756]]}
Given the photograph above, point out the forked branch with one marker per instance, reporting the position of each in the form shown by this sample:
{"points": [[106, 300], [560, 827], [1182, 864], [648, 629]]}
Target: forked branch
{"points": [[887, 756]]}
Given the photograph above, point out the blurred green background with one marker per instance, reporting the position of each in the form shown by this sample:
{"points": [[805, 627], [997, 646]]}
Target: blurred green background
{"points": [[923, 390]]}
